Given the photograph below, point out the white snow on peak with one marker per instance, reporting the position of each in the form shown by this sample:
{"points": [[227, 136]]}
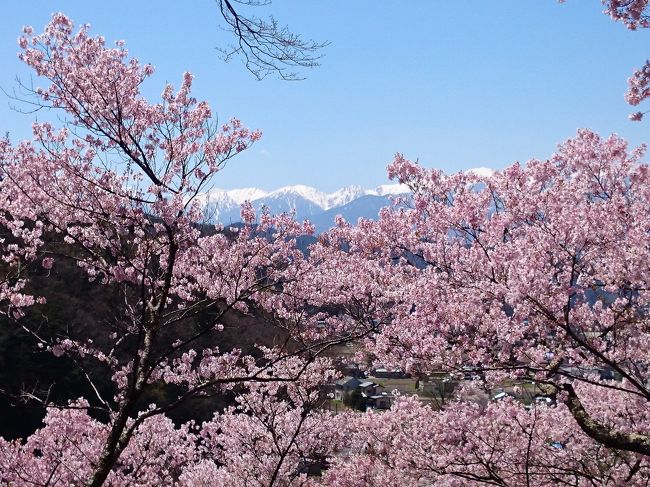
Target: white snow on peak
{"points": [[246, 194], [232, 197], [311, 194], [223, 200], [344, 195], [224, 205], [215, 197], [484, 172], [388, 189], [340, 197]]}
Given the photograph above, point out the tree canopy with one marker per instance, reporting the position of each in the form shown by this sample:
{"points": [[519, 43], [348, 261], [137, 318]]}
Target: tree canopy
{"points": [[533, 279]]}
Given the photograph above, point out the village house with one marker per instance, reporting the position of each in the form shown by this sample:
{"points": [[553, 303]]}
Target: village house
{"points": [[383, 373], [368, 388], [345, 386], [348, 385], [382, 400]]}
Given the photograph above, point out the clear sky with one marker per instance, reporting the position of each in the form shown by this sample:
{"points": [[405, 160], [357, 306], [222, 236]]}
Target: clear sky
{"points": [[456, 84]]}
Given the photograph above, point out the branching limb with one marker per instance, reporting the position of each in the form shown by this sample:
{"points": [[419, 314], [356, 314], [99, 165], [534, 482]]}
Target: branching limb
{"points": [[265, 46]]}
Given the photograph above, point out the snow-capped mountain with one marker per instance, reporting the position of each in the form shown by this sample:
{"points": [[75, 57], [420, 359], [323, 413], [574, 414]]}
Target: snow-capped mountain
{"points": [[344, 196], [366, 206], [246, 194], [303, 200], [481, 171], [308, 203], [324, 201], [351, 202], [389, 189]]}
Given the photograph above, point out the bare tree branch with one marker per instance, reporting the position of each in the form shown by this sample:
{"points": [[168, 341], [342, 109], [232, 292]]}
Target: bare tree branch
{"points": [[265, 46]]}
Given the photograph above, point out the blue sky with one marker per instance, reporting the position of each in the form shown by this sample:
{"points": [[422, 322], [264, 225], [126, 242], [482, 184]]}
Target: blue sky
{"points": [[454, 84]]}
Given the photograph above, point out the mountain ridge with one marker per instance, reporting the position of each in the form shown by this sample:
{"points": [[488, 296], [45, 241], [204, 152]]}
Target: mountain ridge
{"points": [[351, 202]]}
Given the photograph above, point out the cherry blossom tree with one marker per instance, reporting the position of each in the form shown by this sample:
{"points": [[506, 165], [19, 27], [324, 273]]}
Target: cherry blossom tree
{"points": [[536, 277], [115, 191], [633, 14]]}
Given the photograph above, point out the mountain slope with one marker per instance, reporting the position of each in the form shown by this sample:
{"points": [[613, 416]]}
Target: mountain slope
{"points": [[366, 206]]}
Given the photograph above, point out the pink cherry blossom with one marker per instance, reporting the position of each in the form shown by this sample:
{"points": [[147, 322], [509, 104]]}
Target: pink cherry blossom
{"points": [[534, 279]]}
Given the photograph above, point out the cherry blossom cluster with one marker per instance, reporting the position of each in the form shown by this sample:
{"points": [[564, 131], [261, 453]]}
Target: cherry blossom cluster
{"points": [[114, 191], [502, 443], [631, 12], [537, 275]]}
